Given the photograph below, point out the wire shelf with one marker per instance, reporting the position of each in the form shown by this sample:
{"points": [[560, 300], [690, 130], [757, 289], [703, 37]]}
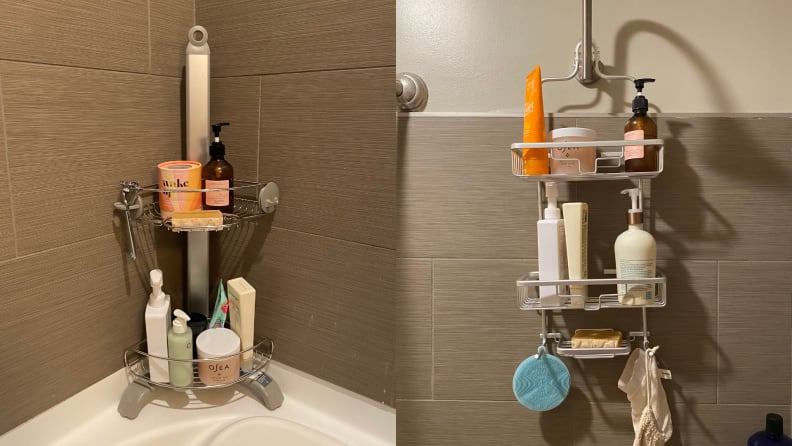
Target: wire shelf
{"points": [[244, 209], [564, 348], [528, 293], [136, 360], [608, 166]]}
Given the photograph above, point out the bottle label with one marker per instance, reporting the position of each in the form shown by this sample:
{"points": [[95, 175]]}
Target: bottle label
{"points": [[636, 294], [218, 198], [633, 152]]}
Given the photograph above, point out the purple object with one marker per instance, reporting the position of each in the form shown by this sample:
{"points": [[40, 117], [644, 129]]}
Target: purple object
{"points": [[773, 435]]}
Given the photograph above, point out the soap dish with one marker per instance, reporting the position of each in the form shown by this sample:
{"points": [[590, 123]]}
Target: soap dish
{"points": [[564, 348]]}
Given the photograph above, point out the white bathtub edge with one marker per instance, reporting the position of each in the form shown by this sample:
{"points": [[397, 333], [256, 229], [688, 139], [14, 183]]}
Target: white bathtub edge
{"points": [[343, 405]]}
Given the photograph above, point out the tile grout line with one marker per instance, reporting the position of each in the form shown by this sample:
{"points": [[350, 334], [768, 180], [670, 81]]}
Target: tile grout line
{"points": [[317, 70], [432, 376], [258, 134], [8, 172], [148, 18], [717, 332], [80, 67]]}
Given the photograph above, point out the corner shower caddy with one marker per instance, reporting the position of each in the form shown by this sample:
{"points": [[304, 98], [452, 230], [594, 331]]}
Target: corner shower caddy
{"points": [[251, 200], [607, 167]]}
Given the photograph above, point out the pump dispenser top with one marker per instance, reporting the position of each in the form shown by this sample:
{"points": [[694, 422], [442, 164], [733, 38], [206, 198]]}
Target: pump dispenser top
{"points": [[217, 148], [640, 102], [180, 323], [157, 296], [552, 212], [635, 213]]}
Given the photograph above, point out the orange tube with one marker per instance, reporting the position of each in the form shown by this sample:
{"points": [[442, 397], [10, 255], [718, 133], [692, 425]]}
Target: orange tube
{"points": [[535, 161]]}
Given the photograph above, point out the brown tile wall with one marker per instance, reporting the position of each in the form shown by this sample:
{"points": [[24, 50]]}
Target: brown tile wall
{"points": [[89, 96], [720, 213], [308, 89]]}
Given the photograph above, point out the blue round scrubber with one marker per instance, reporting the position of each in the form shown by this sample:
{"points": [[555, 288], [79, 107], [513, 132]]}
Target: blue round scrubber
{"points": [[541, 382]]}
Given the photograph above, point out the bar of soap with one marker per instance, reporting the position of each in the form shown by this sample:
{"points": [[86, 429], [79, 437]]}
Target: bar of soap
{"points": [[184, 219], [602, 338]]}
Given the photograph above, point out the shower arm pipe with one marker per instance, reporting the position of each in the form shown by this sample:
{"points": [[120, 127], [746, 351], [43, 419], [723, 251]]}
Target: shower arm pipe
{"points": [[586, 64]]}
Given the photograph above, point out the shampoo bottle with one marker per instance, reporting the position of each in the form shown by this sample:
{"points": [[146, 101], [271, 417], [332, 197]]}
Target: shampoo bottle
{"points": [[158, 323], [640, 126], [552, 253], [218, 174], [180, 351], [636, 254], [773, 435]]}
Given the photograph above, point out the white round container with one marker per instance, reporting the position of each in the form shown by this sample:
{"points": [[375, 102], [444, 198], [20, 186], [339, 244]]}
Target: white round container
{"points": [[223, 344], [573, 160]]}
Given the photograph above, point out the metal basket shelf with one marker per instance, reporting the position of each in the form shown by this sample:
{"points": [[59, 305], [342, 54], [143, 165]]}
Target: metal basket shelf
{"points": [[244, 209], [608, 166], [564, 348], [528, 293], [136, 361]]}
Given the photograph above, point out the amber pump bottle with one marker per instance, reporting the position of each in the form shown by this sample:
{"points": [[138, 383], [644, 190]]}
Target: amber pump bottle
{"points": [[640, 126], [218, 174]]}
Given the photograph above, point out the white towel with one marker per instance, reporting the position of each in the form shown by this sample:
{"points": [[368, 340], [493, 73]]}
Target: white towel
{"points": [[640, 380]]}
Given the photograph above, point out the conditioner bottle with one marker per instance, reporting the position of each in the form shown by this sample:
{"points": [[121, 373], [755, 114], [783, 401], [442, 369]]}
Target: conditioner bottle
{"points": [[180, 351], [552, 251], [636, 253], [218, 174], [157, 324], [640, 126]]}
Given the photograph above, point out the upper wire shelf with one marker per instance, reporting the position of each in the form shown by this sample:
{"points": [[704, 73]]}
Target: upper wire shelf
{"points": [[608, 165]]}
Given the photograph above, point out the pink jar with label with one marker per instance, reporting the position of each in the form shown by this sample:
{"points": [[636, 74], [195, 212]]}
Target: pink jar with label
{"points": [[573, 160]]}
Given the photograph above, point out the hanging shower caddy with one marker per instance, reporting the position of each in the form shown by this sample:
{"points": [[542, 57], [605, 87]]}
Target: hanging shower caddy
{"points": [[608, 166]]}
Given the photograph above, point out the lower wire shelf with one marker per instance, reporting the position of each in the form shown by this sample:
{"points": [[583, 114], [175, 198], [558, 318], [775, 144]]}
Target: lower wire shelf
{"points": [[136, 360], [528, 293], [564, 348]]}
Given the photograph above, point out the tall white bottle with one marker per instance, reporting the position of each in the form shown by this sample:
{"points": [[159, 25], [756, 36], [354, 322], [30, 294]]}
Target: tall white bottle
{"points": [[551, 247], [636, 255], [158, 322]]}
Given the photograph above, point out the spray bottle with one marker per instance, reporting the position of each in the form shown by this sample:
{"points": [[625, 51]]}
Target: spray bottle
{"points": [[552, 249], [636, 255]]}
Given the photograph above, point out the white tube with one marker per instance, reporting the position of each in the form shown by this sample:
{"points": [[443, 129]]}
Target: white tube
{"points": [[576, 233]]}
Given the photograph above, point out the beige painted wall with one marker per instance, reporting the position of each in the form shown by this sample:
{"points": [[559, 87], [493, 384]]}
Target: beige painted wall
{"points": [[708, 56]]}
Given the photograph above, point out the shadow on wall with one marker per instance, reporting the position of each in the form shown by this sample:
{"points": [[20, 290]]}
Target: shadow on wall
{"points": [[233, 251], [155, 248], [620, 101]]}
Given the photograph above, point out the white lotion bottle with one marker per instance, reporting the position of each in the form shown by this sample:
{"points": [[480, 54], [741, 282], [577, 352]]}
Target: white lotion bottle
{"points": [[636, 255], [551, 248], [158, 322], [180, 351]]}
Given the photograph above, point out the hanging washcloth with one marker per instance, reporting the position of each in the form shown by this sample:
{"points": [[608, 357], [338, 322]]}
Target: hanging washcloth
{"points": [[640, 380], [648, 433]]}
